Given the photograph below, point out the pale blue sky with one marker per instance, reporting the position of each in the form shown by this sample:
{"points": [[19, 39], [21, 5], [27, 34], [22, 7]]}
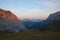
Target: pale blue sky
{"points": [[31, 8]]}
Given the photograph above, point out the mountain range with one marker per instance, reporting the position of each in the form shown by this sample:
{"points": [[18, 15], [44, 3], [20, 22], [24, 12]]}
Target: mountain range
{"points": [[10, 22]]}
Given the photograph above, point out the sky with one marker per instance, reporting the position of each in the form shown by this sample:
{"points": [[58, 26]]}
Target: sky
{"points": [[39, 9]]}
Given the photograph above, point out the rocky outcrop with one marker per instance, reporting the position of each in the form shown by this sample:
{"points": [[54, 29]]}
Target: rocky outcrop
{"points": [[54, 16], [7, 14]]}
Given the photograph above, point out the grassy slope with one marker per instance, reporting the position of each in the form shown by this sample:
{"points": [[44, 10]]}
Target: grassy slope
{"points": [[36, 34], [28, 35]]}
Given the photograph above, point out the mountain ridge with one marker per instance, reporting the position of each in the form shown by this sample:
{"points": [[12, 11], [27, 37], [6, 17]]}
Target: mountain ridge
{"points": [[8, 14]]}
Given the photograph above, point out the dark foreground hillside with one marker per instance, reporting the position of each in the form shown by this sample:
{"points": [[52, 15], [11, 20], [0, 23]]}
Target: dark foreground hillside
{"points": [[30, 35]]}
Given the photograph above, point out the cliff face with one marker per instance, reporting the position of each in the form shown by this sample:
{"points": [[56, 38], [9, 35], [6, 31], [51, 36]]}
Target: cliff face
{"points": [[8, 15], [54, 16], [9, 22]]}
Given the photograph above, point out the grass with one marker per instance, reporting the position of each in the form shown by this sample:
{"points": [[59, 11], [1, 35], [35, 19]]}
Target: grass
{"points": [[29, 35], [7, 36], [36, 34]]}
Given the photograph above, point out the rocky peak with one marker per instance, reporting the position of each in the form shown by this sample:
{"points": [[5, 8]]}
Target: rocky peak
{"points": [[54, 16], [7, 14]]}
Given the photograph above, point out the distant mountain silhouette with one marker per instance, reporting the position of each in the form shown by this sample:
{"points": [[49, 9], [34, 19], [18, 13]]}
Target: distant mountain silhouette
{"points": [[10, 22], [28, 23]]}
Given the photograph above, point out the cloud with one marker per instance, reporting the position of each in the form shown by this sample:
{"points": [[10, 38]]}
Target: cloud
{"points": [[33, 12], [49, 3], [28, 13], [36, 10], [26, 10], [52, 6]]}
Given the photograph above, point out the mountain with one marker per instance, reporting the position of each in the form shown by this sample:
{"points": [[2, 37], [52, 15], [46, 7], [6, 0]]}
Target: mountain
{"points": [[36, 20], [9, 22], [29, 22], [54, 16], [51, 23], [7, 14], [54, 20]]}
